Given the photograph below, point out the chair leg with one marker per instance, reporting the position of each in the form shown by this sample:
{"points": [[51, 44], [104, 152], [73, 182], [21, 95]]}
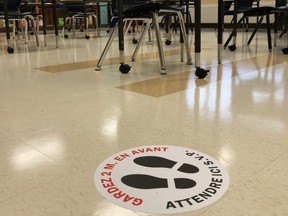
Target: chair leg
{"points": [[269, 32], [127, 25], [185, 38], [147, 21], [149, 34], [34, 28], [159, 42], [285, 30], [73, 26], [66, 26], [190, 23], [108, 44], [183, 35], [246, 24], [16, 28], [24, 32], [86, 24], [167, 23], [38, 18], [15, 25], [96, 24], [233, 34], [268, 28], [255, 30]]}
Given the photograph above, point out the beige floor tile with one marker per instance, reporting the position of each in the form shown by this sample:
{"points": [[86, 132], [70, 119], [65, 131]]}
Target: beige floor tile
{"points": [[22, 167], [262, 194], [59, 119]]}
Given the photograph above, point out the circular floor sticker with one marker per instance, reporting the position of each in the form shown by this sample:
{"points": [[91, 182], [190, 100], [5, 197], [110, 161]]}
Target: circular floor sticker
{"points": [[161, 179]]}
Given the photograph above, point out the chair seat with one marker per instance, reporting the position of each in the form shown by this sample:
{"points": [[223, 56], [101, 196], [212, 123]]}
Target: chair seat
{"points": [[146, 10], [15, 14], [239, 11], [259, 11], [281, 9], [80, 14]]}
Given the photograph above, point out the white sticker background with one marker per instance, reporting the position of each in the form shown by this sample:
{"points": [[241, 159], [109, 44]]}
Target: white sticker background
{"points": [[212, 180]]}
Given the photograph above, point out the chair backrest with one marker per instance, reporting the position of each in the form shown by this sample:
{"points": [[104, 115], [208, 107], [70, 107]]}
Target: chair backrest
{"points": [[73, 6], [13, 5], [281, 3]]}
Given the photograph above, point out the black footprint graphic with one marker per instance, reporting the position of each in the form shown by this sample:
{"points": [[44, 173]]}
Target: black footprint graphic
{"points": [[142, 181], [151, 182], [153, 161]]}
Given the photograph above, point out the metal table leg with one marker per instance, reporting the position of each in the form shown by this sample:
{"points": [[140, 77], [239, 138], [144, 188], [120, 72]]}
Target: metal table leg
{"points": [[233, 46], [220, 30], [43, 8], [200, 72], [55, 24], [10, 50], [124, 68], [85, 20]]}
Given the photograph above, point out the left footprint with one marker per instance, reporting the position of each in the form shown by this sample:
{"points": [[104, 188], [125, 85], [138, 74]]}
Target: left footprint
{"points": [[154, 162], [141, 181]]}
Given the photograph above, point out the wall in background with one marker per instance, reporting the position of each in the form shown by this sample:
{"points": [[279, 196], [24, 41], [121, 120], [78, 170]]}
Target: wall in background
{"points": [[209, 11]]}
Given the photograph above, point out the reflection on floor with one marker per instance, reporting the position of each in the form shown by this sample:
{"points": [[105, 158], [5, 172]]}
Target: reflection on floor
{"points": [[59, 119]]}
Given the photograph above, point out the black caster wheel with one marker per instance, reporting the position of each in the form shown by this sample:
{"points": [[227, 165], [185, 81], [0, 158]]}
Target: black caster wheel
{"points": [[10, 50], [65, 36], [232, 47], [134, 41], [129, 31], [108, 31], [87, 37], [31, 33], [69, 30], [201, 73], [124, 68], [168, 42], [285, 51]]}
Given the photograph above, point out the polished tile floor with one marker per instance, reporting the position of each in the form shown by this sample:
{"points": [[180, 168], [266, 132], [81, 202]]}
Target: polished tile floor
{"points": [[59, 119]]}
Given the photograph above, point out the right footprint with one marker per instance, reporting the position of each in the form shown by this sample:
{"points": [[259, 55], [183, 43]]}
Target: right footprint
{"points": [[141, 181], [154, 161]]}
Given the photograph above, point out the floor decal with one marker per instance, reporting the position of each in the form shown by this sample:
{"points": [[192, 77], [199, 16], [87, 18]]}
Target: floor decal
{"points": [[161, 179]]}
